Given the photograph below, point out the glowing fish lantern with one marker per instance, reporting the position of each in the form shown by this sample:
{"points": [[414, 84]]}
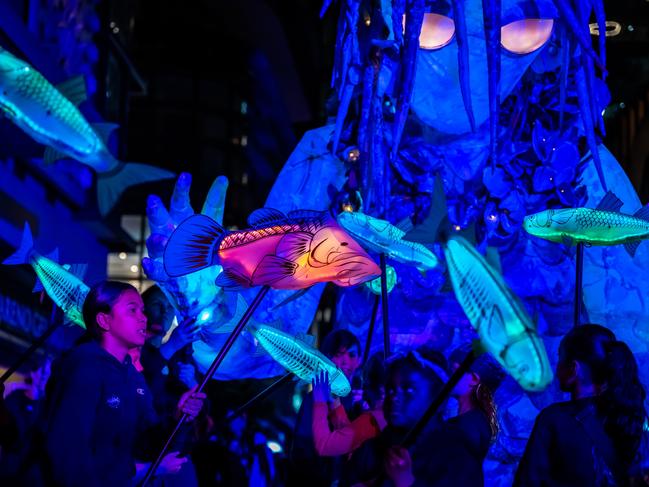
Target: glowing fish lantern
{"points": [[382, 237], [505, 329], [604, 225], [64, 288], [291, 251], [375, 284], [44, 112], [301, 359]]}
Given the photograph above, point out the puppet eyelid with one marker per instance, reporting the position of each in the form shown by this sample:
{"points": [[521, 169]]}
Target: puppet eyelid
{"points": [[526, 35], [437, 31]]}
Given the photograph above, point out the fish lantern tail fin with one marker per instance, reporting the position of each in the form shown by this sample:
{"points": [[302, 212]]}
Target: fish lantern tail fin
{"points": [[24, 250], [111, 185], [193, 246]]}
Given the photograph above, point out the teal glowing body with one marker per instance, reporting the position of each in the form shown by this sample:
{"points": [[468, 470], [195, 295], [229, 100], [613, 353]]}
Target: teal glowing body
{"points": [[300, 358], [62, 286], [39, 109], [587, 225], [505, 329], [391, 279], [382, 237], [50, 118]]}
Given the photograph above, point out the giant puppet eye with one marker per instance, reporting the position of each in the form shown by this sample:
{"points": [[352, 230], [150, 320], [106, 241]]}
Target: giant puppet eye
{"points": [[436, 31], [526, 35]]}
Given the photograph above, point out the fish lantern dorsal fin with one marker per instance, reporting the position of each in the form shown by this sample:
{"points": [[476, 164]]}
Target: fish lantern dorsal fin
{"points": [[79, 270], [74, 90], [104, 130], [53, 256], [405, 225], [306, 339], [306, 214], [610, 202], [264, 217], [642, 213]]}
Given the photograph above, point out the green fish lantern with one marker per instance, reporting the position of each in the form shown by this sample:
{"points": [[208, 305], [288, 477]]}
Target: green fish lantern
{"points": [[505, 329], [49, 116], [65, 288], [300, 358], [375, 284], [603, 225], [382, 237], [293, 353]]}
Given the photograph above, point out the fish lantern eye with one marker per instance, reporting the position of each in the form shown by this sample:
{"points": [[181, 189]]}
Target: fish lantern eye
{"points": [[436, 31], [526, 35], [344, 244]]}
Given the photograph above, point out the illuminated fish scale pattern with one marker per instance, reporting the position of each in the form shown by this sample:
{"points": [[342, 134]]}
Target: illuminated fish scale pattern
{"points": [[619, 227], [63, 287], [236, 239], [299, 358], [495, 313], [31, 85], [382, 237]]}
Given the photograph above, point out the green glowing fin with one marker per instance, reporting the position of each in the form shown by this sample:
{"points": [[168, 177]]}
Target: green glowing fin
{"points": [[74, 90], [610, 202]]}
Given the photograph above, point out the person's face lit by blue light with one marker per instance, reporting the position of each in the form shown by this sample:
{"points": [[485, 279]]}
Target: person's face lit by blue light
{"points": [[407, 395], [347, 360]]}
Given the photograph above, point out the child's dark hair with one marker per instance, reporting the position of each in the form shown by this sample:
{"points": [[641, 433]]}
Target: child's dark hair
{"points": [[101, 299], [338, 340], [415, 361], [612, 366]]}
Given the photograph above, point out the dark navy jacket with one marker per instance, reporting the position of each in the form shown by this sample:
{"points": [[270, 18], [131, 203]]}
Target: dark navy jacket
{"points": [[446, 454], [564, 445], [96, 409]]}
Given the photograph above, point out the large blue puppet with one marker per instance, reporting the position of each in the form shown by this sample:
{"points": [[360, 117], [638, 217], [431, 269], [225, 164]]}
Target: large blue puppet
{"points": [[502, 99]]}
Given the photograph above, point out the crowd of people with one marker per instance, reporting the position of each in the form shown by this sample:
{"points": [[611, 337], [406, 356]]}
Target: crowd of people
{"points": [[99, 414]]}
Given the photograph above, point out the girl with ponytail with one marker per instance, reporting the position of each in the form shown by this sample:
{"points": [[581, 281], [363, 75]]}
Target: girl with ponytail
{"points": [[593, 439]]}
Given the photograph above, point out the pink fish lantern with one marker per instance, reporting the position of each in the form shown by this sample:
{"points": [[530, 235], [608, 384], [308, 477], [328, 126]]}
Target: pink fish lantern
{"points": [[293, 251]]}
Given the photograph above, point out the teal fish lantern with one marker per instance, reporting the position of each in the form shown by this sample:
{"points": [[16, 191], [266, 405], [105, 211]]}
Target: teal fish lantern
{"points": [[375, 284], [49, 116], [505, 329], [300, 358], [64, 288], [382, 237], [603, 225]]}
